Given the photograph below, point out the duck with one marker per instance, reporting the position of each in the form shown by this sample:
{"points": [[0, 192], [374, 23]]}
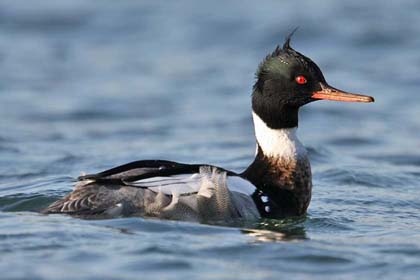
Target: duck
{"points": [[277, 184]]}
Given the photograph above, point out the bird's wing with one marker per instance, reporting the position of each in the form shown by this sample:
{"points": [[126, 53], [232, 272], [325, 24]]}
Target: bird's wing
{"points": [[168, 177], [159, 188], [142, 169]]}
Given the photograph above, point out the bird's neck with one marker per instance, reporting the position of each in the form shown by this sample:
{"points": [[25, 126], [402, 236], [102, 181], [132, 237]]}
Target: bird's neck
{"points": [[280, 144], [281, 169], [275, 114]]}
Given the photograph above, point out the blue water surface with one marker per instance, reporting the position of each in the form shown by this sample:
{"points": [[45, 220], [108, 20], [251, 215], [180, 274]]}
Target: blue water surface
{"points": [[88, 85]]}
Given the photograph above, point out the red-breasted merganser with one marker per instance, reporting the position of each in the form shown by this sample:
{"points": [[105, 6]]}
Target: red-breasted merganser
{"points": [[277, 184]]}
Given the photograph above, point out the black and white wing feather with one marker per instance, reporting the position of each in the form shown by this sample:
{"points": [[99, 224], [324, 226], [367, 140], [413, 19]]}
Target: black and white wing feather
{"points": [[166, 176], [142, 169], [164, 189]]}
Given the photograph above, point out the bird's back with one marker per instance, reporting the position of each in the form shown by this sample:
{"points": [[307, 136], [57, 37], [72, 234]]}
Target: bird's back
{"points": [[210, 200]]}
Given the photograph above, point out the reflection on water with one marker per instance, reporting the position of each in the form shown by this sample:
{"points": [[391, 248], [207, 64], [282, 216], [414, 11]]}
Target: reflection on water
{"points": [[259, 235], [288, 229], [277, 230]]}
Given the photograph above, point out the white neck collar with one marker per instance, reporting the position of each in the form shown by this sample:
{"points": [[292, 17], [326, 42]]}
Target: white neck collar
{"points": [[279, 143]]}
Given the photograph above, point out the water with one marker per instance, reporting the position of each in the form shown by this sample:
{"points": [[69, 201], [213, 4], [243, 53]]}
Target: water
{"points": [[88, 85]]}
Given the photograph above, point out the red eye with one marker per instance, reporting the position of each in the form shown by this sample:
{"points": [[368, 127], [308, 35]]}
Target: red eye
{"points": [[301, 80]]}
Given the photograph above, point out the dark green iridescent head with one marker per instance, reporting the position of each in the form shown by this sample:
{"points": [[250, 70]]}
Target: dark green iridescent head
{"points": [[287, 80]]}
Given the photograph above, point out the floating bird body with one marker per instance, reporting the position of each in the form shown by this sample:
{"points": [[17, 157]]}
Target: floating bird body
{"points": [[278, 183]]}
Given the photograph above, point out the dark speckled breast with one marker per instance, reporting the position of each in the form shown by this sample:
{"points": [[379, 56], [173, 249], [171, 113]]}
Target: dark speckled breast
{"points": [[285, 185]]}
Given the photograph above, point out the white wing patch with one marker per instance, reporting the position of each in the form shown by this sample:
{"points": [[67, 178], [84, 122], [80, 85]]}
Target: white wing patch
{"points": [[172, 185], [192, 184], [238, 184]]}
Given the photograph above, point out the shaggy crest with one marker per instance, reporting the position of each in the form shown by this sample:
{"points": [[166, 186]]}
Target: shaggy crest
{"points": [[285, 54], [286, 45]]}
